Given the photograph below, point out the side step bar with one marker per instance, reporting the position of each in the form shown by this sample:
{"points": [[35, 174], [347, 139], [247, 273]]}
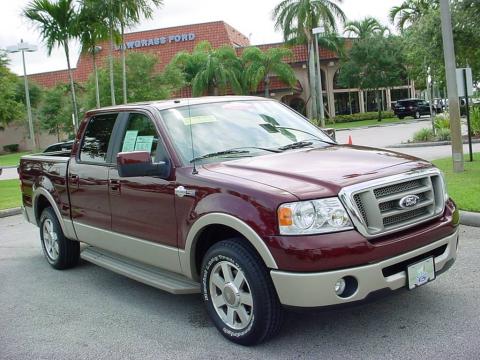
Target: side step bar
{"points": [[161, 279]]}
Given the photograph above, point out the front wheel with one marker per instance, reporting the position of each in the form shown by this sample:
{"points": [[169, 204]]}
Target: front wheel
{"points": [[239, 294], [417, 114], [60, 252]]}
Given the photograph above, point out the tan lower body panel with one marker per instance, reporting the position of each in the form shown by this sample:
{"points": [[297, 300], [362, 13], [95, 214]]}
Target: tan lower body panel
{"points": [[317, 289]]}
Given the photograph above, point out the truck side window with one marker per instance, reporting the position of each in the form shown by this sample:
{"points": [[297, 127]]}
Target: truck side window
{"points": [[97, 137], [141, 135]]}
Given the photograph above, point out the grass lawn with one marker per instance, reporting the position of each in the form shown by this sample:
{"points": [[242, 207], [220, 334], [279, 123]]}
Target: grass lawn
{"points": [[10, 195], [464, 187], [11, 159], [354, 124]]}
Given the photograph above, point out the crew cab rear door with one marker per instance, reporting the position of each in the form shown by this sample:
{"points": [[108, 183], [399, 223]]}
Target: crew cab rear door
{"points": [[88, 178]]}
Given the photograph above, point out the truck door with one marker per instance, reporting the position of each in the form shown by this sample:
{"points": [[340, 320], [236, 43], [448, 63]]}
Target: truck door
{"points": [[88, 178], [143, 206]]}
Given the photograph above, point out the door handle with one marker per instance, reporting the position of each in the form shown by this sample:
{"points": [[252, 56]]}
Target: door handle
{"points": [[74, 178], [114, 185]]}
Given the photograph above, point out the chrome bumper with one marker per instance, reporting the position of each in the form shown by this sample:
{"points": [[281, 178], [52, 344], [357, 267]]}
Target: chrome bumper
{"points": [[317, 289]]}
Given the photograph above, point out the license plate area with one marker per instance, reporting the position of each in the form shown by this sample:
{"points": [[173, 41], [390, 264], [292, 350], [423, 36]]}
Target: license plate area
{"points": [[420, 273]]}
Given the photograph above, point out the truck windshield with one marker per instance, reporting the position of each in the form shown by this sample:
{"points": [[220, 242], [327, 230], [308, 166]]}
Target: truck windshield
{"points": [[247, 124]]}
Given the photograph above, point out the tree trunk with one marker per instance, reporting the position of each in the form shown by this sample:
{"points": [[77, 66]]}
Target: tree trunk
{"points": [[95, 71], [72, 87], [57, 130], [379, 105], [110, 60], [350, 102], [311, 82], [267, 86], [124, 67]]}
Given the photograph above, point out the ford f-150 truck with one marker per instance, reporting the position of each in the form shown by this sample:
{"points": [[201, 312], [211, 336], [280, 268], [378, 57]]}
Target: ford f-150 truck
{"points": [[243, 200]]}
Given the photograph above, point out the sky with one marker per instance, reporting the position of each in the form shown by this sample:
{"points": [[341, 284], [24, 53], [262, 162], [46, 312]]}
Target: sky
{"points": [[250, 17]]}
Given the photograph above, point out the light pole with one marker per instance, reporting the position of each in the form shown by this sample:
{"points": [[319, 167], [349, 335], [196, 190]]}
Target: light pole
{"points": [[22, 47], [450, 72], [316, 31]]}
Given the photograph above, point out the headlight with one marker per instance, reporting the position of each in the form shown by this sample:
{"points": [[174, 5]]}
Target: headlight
{"points": [[313, 217]]}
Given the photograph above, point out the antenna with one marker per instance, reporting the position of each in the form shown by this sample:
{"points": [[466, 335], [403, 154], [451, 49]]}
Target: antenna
{"points": [[194, 171]]}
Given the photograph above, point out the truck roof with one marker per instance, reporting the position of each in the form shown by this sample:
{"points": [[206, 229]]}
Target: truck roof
{"points": [[173, 103]]}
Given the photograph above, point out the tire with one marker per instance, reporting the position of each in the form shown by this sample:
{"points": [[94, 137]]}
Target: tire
{"points": [[251, 312], [417, 115], [401, 117], [60, 252]]}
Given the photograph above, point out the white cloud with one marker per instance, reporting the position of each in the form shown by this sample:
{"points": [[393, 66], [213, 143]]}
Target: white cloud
{"points": [[251, 17]]}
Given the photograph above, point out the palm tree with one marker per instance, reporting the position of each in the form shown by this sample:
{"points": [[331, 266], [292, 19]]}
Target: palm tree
{"points": [[410, 11], [118, 15], [210, 71], [56, 21], [297, 19], [365, 28], [91, 30], [260, 65]]}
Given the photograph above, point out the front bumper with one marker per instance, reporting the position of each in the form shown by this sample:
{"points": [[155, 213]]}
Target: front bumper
{"points": [[317, 289]]}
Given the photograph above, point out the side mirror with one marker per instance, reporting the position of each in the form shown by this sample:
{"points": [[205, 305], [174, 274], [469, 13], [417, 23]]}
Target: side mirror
{"points": [[139, 163]]}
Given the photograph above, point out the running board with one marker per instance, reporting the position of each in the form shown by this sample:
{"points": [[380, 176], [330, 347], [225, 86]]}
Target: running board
{"points": [[150, 275]]}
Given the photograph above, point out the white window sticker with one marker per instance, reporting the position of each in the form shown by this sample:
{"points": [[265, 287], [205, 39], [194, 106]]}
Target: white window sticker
{"points": [[144, 143], [129, 140]]}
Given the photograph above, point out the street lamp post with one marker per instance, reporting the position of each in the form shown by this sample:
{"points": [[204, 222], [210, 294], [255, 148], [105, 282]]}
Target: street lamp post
{"points": [[316, 32], [22, 47]]}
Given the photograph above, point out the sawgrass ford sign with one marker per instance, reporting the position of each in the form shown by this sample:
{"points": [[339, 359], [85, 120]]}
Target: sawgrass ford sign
{"points": [[162, 40]]}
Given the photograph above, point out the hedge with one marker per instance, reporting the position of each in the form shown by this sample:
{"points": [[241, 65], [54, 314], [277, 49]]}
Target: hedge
{"points": [[360, 116]]}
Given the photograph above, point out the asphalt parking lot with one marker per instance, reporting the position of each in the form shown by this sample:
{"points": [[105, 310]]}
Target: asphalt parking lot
{"points": [[92, 313]]}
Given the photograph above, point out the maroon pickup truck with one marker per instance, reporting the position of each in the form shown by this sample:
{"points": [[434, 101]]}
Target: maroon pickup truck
{"points": [[243, 200]]}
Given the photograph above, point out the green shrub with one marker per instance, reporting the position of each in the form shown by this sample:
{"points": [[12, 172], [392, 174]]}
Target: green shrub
{"points": [[360, 117], [425, 134], [443, 134], [442, 121], [12, 148], [475, 121]]}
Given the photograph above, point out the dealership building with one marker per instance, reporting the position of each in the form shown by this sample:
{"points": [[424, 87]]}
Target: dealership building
{"points": [[167, 42]]}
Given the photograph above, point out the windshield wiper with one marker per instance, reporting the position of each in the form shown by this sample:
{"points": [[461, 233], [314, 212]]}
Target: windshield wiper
{"points": [[305, 132], [233, 152], [296, 145]]}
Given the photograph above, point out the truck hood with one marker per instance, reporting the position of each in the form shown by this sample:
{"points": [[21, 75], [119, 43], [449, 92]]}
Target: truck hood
{"points": [[319, 172]]}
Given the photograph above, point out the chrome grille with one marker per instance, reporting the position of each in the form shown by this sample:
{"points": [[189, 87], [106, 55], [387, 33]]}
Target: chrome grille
{"points": [[375, 206]]}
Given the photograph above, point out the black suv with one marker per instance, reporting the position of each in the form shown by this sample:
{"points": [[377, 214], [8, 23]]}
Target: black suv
{"points": [[412, 107]]}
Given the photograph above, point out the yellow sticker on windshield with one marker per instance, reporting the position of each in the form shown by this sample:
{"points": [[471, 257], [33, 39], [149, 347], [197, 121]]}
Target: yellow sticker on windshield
{"points": [[199, 119]]}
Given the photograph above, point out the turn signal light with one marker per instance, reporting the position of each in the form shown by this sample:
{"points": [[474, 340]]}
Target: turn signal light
{"points": [[285, 216]]}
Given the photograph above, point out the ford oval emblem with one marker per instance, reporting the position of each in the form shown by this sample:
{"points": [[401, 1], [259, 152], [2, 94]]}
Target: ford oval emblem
{"points": [[408, 201]]}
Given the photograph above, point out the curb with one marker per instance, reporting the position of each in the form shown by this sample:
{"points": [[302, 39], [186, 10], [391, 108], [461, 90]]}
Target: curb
{"points": [[469, 218], [428, 144], [10, 212], [382, 125], [9, 167]]}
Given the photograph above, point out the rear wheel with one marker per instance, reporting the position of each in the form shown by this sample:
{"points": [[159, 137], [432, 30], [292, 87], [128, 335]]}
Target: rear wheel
{"points": [[239, 294], [417, 114], [60, 252]]}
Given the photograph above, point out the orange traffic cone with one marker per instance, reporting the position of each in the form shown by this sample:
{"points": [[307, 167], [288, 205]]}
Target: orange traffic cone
{"points": [[350, 140]]}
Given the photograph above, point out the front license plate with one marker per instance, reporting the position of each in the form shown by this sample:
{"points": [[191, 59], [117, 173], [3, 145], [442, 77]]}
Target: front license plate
{"points": [[420, 273]]}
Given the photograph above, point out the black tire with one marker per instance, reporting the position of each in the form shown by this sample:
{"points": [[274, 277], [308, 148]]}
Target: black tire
{"points": [[266, 313], [401, 117], [417, 115], [67, 254]]}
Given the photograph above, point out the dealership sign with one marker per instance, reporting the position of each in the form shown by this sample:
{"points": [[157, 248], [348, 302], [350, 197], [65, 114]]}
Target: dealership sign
{"points": [[162, 40]]}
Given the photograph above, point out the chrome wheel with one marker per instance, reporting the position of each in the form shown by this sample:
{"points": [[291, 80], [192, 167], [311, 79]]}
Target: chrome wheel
{"points": [[50, 239], [231, 296]]}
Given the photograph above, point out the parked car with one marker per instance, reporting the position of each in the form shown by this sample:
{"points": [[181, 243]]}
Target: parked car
{"points": [[243, 200], [412, 107]]}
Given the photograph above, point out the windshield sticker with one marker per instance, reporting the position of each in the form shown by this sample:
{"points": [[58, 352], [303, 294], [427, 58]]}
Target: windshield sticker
{"points": [[199, 119], [129, 140], [144, 143]]}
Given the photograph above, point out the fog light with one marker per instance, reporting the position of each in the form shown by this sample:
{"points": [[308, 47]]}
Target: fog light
{"points": [[340, 286]]}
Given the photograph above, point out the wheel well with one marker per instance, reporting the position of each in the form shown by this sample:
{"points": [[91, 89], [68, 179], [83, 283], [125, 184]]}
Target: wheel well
{"points": [[209, 236], [41, 204]]}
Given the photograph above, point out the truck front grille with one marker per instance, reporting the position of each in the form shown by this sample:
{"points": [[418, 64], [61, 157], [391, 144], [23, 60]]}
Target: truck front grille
{"points": [[380, 209]]}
